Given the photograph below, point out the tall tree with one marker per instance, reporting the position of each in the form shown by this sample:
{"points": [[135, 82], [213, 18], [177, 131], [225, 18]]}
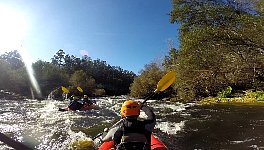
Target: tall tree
{"points": [[146, 82], [87, 83], [58, 59], [13, 58], [5, 70], [221, 44], [49, 76]]}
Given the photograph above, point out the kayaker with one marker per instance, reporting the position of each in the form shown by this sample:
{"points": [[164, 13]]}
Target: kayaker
{"points": [[132, 132], [87, 101], [76, 104]]}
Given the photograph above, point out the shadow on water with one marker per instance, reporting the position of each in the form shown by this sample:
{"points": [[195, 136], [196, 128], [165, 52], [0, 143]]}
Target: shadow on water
{"points": [[219, 127]]}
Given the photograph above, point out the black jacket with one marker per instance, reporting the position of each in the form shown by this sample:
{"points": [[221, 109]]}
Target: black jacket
{"points": [[134, 125]]}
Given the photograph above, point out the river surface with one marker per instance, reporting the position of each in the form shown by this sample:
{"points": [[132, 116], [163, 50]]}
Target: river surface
{"points": [[39, 124]]}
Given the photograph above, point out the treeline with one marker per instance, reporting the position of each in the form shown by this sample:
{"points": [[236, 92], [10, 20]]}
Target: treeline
{"points": [[221, 45], [95, 77]]}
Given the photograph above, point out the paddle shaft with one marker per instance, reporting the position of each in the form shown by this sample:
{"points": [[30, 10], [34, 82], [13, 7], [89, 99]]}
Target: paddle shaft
{"points": [[12, 143], [148, 98], [108, 129]]}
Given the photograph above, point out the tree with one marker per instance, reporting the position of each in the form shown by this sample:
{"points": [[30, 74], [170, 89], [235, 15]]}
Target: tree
{"points": [[20, 82], [58, 59], [96, 77], [5, 70], [87, 83], [49, 76], [146, 82], [221, 45], [13, 58]]}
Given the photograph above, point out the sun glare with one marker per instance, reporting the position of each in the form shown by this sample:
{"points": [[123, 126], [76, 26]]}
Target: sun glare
{"points": [[13, 28]]}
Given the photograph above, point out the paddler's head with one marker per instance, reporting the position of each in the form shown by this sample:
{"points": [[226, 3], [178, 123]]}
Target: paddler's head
{"points": [[130, 108], [85, 96]]}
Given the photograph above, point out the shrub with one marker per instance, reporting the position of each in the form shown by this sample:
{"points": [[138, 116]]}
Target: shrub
{"points": [[260, 95], [225, 92]]}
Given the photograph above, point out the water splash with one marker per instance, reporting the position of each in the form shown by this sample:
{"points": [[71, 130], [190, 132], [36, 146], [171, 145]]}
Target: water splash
{"points": [[170, 127]]}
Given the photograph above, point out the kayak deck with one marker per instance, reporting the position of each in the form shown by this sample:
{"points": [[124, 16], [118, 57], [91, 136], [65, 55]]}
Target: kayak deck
{"points": [[156, 144]]}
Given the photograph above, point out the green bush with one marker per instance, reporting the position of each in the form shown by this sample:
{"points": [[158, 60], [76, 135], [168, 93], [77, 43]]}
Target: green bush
{"points": [[225, 92], [260, 95]]}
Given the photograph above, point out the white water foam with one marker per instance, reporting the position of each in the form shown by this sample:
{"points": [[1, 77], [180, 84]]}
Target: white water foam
{"points": [[169, 127]]}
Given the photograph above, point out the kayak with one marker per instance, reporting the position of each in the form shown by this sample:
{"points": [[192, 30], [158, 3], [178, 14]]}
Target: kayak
{"points": [[156, 144], [84, 108]]}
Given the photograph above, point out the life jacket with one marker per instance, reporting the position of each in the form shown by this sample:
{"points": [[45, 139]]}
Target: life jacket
{"points": [[135, 137], [75, 105]]}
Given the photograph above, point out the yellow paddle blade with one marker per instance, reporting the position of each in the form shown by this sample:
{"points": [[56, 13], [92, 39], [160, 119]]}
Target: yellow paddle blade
{"points": [[83, 144], [166, 81], [80, 89], [64, 89]]}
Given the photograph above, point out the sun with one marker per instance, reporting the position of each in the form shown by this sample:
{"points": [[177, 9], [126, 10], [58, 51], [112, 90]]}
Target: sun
{"points": [[13, 29], [13, 26]]}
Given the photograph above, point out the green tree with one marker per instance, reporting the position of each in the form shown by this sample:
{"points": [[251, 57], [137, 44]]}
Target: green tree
{"points": [[87, 83], [19, 80], [58, 59], [5, 70], [221, 45], [49, 76], [146, 82], [13, 58]]}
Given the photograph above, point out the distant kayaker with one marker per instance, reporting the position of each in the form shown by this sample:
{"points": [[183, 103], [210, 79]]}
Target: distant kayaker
{"points": [[133, 133], [87, 101], [75, 104]]}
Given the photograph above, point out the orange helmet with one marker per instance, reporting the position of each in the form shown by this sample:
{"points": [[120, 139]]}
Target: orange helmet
{"points": [[130, 108]]}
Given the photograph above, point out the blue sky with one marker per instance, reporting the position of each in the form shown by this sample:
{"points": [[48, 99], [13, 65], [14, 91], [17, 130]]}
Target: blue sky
{"points": [[125, 33]]}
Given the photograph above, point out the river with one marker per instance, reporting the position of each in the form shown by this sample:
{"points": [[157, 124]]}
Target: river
{"points": [[39, 125]]}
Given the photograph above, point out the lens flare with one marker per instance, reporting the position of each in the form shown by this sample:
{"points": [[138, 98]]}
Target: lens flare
{"points": [[28, 63], [13, 29]]}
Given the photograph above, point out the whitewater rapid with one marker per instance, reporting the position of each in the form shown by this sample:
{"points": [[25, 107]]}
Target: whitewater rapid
{"points": [[39, 125]]}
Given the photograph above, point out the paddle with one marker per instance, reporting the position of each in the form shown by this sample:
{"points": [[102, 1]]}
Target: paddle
{"points": [[80, 89], [12, 143], [65, 90], [162, 85]]}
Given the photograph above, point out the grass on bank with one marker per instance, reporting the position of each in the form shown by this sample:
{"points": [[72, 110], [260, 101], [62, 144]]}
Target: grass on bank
{"points": [[225, 96]]}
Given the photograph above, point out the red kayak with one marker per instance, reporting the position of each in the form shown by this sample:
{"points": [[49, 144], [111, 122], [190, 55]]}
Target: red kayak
{"points": [[156, 144]]}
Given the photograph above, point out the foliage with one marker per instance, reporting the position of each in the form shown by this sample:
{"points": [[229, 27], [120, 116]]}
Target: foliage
{"points": [[5, 70], [95, 77], [13, 75], [146, 82], [87, 83], [99, 92], [13, 59], [58, 58], [257, 95], [221, 44], [248, 96], [49, 76], [225, 92], [260, 95]]}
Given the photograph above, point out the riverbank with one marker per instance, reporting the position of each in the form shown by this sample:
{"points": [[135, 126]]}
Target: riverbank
{"points": [[247, 97], [10, 96]]}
